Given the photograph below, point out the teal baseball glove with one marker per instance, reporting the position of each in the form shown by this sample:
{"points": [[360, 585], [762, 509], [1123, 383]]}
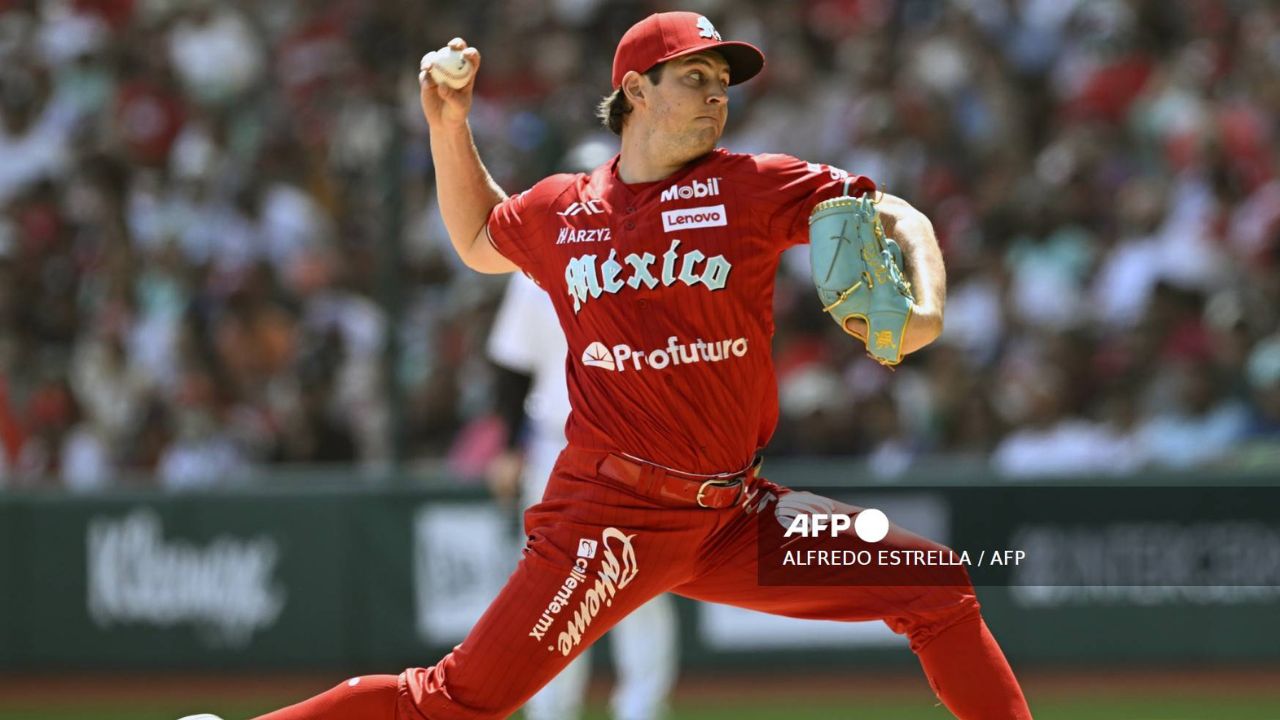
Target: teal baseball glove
{"points": [[858, 272]]}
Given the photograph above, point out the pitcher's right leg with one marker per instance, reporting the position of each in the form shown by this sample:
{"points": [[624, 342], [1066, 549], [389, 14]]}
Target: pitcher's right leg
{"points": [[571, 586], [516, 647], [596, 551], [574, 582]]}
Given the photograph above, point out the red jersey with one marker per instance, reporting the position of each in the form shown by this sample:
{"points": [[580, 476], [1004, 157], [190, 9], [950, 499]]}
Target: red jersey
{"points": [[665, 294]]}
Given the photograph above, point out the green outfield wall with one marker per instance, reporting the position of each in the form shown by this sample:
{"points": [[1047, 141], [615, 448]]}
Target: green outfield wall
{"points": [[317, 576]]}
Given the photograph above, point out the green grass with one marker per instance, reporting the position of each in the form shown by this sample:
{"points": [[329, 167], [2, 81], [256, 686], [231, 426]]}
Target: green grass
{"points": [[1117, 709], [1108, 707]]}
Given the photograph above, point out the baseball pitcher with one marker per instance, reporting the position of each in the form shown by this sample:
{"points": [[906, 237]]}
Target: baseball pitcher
{"points": [[660, 264]]}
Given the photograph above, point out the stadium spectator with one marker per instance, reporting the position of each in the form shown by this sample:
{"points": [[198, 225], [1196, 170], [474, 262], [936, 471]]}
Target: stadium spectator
{"points": [[194, 195]]}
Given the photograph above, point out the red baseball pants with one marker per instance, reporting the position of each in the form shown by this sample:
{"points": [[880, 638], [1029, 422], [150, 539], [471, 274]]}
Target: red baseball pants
{"points": [[597, 549]]}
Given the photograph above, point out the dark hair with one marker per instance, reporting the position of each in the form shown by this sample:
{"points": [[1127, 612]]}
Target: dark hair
{"points": [[615, 107]]}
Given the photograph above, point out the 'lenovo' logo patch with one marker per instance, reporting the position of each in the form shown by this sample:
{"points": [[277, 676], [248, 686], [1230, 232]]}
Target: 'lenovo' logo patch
{"points": [[697, 217]]}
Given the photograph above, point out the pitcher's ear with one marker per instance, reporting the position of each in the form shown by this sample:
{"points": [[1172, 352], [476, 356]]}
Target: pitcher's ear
{"points": [[633, 85]]}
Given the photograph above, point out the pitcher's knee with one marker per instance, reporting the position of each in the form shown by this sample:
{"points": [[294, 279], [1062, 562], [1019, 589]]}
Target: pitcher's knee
{"points": [[427, 694], [933, 610]]}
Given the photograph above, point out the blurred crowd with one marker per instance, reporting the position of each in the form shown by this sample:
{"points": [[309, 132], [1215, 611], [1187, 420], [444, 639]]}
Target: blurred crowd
{"points": [[220, 251]]}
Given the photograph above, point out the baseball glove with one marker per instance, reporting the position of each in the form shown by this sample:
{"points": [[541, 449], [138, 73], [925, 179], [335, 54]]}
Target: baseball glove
{"points": [[858, 272]]}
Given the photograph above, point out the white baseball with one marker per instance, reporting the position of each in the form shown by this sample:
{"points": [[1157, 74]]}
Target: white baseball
{"points": [[448, 67]]}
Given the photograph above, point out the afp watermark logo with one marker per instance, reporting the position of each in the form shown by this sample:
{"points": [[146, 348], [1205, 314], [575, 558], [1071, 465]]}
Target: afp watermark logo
{"points": [[824, 542], [870, 525]]}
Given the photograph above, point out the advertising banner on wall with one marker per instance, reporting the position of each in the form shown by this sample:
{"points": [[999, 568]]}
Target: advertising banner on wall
{"points": [[341, 579], [462, 555]]}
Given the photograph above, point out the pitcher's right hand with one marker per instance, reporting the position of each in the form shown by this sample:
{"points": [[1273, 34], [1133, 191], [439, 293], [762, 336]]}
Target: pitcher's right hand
{"points": [[443, 106]]}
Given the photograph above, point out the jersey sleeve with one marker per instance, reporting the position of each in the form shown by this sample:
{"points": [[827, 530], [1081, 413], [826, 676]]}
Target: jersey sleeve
{"points": [[796, 187], [512, 342], [514, 224]]}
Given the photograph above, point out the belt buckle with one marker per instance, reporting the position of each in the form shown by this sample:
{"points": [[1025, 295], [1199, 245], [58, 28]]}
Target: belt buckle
{"points": [[718, 483]]}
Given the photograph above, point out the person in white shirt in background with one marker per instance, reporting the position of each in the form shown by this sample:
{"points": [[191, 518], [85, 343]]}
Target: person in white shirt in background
{"points": [[526, 340]]}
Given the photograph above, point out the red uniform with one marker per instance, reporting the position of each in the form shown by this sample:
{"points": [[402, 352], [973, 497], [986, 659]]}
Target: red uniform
{"points": [[665, 293]]}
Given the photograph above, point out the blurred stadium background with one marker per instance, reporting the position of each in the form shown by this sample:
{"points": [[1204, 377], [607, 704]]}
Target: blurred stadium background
{"points": [[244, 404]]}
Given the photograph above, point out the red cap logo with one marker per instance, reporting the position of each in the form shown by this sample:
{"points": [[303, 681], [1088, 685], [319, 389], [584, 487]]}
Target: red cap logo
{"points": [[708, 30]]}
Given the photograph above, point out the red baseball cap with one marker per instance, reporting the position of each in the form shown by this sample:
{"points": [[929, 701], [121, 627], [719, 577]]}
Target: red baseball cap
{"points": [[666, 36]]}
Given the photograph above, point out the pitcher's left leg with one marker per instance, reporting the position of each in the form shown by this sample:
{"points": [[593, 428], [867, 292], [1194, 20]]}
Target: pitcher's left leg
{"points": [[574, 582], [936, 609]]}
